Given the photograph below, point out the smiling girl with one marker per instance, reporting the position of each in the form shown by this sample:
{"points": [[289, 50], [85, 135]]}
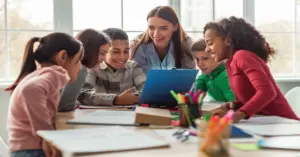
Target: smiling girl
{"points": [[164, 45], [95, 45], [247, 54]]}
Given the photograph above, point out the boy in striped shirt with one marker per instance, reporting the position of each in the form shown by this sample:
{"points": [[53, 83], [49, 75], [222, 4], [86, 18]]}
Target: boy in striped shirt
{"points": [[117, 80]]}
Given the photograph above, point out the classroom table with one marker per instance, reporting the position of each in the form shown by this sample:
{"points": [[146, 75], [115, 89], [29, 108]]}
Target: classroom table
{"points": [[175, 150]]}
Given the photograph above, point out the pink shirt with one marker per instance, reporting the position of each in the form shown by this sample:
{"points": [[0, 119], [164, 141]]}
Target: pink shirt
{"points": [[33, 105]]}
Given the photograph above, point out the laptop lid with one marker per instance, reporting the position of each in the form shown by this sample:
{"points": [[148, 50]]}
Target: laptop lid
{"points": [[158, 84]]}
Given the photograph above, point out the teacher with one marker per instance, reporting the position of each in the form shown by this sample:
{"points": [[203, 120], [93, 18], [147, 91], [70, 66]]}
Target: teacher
{"points": [[164, 45]]}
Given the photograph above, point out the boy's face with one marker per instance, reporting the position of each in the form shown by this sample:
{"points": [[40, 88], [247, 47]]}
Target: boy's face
{"points": [[118, 53], [205, 62]]}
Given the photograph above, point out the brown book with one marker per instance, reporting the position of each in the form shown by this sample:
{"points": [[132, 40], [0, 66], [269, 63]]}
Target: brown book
{"points": [[153, 116]]}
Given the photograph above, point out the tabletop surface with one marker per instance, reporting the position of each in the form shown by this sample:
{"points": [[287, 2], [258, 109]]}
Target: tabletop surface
{"points": [[176, 149]]}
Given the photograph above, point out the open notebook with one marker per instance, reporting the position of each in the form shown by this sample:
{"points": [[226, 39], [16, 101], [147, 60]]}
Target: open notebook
{"points": [[100, 139]]}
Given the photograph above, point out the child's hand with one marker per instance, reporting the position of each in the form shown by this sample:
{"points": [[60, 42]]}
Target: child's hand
{"points": [[220, 111], [223, 109], [128, 97], [50, 150], [237, 116]]}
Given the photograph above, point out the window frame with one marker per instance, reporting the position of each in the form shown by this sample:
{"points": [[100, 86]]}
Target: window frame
{"points": [[63, 22]]}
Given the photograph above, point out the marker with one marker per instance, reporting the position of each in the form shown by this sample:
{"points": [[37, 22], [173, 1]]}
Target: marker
{"points": [[207, 117], [192, 133], [200, 98], [213, 122], [194, 97], [229, 114], [199, 92], [180, 98], [225, 121], [175, 96], [189, 97]]}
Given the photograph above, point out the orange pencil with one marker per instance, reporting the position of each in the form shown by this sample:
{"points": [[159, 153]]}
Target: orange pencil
{"points": [[210, 137]]}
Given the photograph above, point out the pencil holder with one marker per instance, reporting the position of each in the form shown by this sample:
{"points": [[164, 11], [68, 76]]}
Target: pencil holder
{"points": [[188, 114], [210, 143], [201, 125]]}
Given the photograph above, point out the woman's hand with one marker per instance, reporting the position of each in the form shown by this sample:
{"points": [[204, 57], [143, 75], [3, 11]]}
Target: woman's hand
{"points": [[50, 150]]}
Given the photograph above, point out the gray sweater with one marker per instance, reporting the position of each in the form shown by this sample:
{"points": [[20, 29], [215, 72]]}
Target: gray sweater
{"points": [[71, 91]]}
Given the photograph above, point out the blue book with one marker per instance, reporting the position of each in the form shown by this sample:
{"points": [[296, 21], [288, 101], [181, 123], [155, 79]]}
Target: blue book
{"points": [[239, 133]]}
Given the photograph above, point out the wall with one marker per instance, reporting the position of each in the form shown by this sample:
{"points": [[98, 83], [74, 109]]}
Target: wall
{"points": [[4, 98], [286, 86]]}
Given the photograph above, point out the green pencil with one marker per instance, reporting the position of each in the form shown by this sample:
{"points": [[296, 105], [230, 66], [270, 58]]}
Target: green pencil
{"points": [[175, 96], [207, 117]]}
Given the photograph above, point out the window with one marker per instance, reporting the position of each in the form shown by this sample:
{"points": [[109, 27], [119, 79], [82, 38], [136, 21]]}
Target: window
{"points": [[2, 56], [97, 14], [196, 13], [22, 22], [297, 39], [277, 24], [129, 15], [228, 8], [2, 15], [282, 63], [135, 13]]}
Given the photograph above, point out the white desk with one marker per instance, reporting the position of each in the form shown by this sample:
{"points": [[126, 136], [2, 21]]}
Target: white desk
{"points": [[176, 149]]}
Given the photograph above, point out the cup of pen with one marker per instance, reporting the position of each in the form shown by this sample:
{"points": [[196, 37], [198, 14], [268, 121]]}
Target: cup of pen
{"points": [[190, 107], [214, 133]]}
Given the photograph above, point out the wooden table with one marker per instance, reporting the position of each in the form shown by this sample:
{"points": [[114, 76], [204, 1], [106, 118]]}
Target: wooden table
{"points": [[175, 150]]}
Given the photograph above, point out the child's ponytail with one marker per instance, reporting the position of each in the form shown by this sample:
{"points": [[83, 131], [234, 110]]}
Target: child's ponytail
{"points": [[28, 63]]}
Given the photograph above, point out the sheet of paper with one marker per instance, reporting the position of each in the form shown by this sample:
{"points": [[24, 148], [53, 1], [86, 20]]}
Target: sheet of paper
{"points": [[101, 139], [272, 129], [106, 117], [246, 146], [268, 120], [287, 142], [106, 107]]}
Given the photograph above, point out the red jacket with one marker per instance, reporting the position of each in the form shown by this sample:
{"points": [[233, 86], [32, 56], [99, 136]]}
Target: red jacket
{"points": [[254, 86]]}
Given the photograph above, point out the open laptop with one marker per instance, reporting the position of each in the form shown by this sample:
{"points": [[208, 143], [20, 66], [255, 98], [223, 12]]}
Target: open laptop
{"points": [[156, 92]]}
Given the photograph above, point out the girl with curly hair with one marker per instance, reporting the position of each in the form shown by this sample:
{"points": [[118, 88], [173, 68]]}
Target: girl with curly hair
{"points": [[247, 54]]}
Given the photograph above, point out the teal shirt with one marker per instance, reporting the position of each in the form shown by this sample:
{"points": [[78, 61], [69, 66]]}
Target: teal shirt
{"points": [[216, 84]]}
